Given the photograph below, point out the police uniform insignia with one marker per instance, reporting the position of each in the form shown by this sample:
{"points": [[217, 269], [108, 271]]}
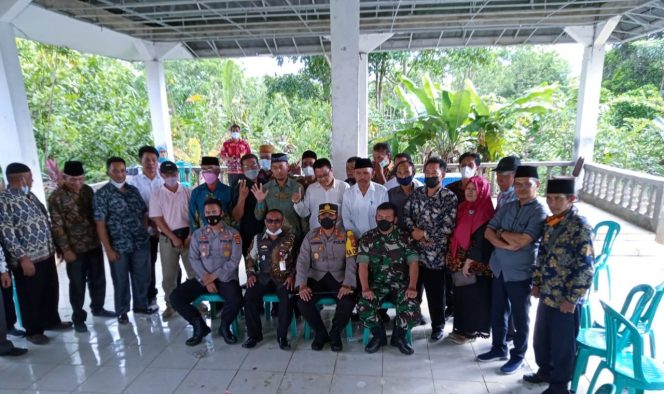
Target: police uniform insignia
{"points": [[238, 239], [316, 256], [351, 244]]}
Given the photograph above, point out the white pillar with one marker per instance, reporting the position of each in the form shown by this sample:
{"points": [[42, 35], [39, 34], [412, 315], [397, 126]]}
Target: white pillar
{"points": [[345, 35], [161, 123], [17, 139], [587, 108], [363, 105]]}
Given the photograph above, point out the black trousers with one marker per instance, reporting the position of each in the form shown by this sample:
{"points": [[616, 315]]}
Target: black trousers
{"points": [[87, 268], [554, 343], [509, 297], [433, 282], [327, 287], [152, 288], [10, 307], [38, 297], [253, 300], [187, 292]]}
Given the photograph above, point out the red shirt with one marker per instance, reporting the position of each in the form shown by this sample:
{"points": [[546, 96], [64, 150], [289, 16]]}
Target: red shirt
{"points": [[234, 150]]}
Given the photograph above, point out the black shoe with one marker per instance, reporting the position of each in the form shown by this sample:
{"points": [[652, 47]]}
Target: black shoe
{"points": [[319, 342], [535, 378], [104, 313], [335, 340], [200, 331], [142, 311], [436, 334], [80, 327], [15, 332], [399, 341], [378, 339], [283, 344], [62, 326], [123, 319], [423, 321], [14, 352], [251, 342], [153, 309], [38, 339], [449, 312], [228, 336], [384, 316]]}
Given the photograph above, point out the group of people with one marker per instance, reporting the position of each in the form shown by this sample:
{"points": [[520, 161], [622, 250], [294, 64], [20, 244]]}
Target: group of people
{"points": [[378, 237]]}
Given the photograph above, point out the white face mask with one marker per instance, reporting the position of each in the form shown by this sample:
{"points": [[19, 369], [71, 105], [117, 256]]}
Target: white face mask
{"points": [[235, 135], [467, 172], [308, 171], [25, 189], [265, 164], [267, 230], [116, 184]]}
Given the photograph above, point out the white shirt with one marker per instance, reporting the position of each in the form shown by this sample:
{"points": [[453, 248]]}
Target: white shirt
{"points": [[316, 195], [146, 186], [394, 183], [359, 211]]}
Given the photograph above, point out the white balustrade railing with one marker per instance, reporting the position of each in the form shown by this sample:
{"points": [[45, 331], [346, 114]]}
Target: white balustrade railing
{"points": [[633, 196]]}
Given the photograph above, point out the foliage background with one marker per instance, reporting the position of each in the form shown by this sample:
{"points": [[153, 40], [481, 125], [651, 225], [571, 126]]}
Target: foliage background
{"points": [[89, 107]]}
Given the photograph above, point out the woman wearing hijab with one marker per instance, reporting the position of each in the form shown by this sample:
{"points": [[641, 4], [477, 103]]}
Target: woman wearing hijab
{"points": [[468, 261]]}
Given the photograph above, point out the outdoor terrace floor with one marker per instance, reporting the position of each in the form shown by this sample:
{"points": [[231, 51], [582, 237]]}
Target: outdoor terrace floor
{"points": [[149, 355]]}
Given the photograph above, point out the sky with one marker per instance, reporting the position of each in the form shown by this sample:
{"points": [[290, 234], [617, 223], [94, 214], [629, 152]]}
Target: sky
{"points": [[265, 65]]}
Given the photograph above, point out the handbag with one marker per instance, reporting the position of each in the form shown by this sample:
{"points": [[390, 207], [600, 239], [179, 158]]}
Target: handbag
{"points": [[461, 280]]}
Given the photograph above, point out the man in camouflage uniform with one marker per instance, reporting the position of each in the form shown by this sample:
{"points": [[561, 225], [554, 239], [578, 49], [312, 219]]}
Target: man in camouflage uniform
{"points": [[388, 268], [561, 279], [326, 269], [270, 269]]}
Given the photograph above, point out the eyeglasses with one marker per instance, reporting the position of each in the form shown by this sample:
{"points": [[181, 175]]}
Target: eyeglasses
{"points": [[273, 221]]}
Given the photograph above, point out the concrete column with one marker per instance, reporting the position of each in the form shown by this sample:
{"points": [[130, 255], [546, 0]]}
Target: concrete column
{"points": [[363, 105], [16, 133], [345, 35], [161, 122], [587, 109]]}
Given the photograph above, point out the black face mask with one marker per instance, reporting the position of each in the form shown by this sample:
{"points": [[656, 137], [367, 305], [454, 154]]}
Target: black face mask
{"points": [[213, 220], [384, 225], [432, 182], [326, 223]]}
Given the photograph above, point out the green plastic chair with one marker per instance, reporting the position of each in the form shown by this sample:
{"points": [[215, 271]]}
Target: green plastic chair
{"points": [[645, 323], [320, 304], [592, 341], [270, 299], [602, 259], [17, 308], [385, 305], [184, 172], [607, 388], [631, 368], [212, 298]]}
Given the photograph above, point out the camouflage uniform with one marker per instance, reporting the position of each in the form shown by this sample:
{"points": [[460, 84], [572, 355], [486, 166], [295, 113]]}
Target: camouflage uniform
{"points": [[388, 257]]}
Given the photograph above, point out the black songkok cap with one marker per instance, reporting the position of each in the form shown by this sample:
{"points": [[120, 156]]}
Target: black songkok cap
{"points": [[363, 163], [168, 167], [73, 168], [509, 163], [16, 168], [526, 172], [279, 158], [209, 161], [560, 186]]}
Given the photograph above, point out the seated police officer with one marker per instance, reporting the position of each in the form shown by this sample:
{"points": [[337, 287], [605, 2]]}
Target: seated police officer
{"points": [[215, 252], [270, 269], [326, 269]]}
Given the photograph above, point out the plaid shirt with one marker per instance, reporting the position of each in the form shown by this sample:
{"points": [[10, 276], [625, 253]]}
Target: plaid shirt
{"points": [[234, 150]]}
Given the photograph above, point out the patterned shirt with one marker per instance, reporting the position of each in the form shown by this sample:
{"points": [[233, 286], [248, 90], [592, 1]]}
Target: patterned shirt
{"points": [[564, 270], [436, 216], [388, 256], [201, 193], [72, 219], [267, 255], [24, 227], [123, 212], [234, 150], [280, 198], [3, 262]]}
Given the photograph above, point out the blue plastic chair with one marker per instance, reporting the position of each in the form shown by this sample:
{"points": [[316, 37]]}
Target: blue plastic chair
{"points": [[320, 304], [366, 332], [270, 299], [645, 323], [631, 368], [592, 342], [212, 298], [184, 171], [602, 259]]}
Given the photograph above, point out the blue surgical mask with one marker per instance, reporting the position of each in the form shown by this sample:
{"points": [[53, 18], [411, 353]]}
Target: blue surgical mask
{"points": [[384, 163], [25, 190], [235, 135], [251, 174], [265, 163]]}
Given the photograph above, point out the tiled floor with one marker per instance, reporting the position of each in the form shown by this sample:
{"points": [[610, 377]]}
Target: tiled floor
{"points": [[149, 355]]}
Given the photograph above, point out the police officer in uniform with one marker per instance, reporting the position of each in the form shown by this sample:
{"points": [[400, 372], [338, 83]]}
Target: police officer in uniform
{"points": [[388, 268], [270, 269], [326, 268], [215, 252]]}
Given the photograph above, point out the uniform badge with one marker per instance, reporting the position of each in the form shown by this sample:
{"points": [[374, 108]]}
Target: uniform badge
{"points": [[237, 238], [351, 244], [227, 253], [316, 256]]}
